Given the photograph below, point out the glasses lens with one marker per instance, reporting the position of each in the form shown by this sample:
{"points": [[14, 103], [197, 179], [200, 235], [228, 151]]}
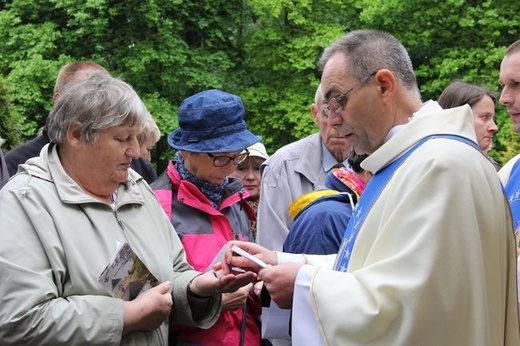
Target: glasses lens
{"points": [[333, 106], [221, 161], [326, 110]]}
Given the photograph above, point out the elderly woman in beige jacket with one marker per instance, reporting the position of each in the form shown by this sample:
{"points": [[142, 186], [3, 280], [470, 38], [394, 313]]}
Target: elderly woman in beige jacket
{"points": [[63, 216]]}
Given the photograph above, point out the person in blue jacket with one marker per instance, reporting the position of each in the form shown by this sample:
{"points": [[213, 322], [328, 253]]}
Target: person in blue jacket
{"points": [[321, 217]]}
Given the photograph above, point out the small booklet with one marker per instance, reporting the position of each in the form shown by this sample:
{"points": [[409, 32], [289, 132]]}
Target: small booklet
{"points": [[126, 275], [218, 258]]}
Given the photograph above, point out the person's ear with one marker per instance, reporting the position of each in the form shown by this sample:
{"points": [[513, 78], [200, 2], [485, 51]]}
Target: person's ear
{"points": [[315, 110], [74, 134], [385, 79], [56, 96]]}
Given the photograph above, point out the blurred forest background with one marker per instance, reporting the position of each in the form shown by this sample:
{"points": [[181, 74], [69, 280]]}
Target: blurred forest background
{"points": [[265, 51]]}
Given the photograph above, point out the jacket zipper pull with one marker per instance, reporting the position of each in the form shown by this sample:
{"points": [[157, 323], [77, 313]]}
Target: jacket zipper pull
{"points": [[119, 221]]}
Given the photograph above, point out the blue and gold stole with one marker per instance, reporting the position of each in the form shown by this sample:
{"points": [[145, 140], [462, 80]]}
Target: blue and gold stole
{"points": [[373, 189]]}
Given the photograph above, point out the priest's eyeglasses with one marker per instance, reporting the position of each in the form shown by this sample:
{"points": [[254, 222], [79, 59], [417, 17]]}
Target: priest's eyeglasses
{"points": [[336, 104]]}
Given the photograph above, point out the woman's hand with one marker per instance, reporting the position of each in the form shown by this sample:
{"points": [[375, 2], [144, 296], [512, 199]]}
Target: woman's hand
{"points": [[237, 299], [215, 282], [149, 310]]}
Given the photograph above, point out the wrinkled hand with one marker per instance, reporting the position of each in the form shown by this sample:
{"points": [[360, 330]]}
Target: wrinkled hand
{"points": [[149, 309], [279, 281], [237, 299], [257, 289], [206, 285], [231, 259]]}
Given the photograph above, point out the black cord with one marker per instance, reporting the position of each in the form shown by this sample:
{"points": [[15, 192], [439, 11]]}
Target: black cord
{"points": [[244, 324]]}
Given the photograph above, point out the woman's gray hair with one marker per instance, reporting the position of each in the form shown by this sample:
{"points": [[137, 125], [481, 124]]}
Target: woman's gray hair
{"points": [[150, 130], [97, 103], [368, 51]]}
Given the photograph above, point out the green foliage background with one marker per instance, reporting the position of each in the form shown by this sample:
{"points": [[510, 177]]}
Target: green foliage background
{"points": [[262, 50]]}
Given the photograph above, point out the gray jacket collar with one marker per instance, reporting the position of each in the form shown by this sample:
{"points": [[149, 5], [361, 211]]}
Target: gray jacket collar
{"points": [[311, 153]]}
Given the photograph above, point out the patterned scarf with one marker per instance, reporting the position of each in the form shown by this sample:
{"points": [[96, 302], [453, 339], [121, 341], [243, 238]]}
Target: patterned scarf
{"points": [[213, 192], [252, 223], [339, 178]]}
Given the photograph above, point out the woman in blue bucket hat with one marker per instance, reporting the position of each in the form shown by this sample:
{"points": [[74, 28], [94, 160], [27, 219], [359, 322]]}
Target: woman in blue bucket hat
{"points": [[207, 207]]}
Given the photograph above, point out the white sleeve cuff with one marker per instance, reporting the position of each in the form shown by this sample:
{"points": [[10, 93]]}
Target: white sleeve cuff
{"points": [[285, 257], [305, 330]]}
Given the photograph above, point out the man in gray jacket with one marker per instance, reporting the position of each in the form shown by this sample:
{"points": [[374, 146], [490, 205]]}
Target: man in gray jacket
{"points": [[296, 169], [292, 171]]}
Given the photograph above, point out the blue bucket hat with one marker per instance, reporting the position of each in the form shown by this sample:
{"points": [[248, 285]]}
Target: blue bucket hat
{"points": [[212, 122]]}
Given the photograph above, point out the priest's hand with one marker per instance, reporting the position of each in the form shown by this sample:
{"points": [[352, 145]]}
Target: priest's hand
{"points": [[279, 281], [232, 259]]}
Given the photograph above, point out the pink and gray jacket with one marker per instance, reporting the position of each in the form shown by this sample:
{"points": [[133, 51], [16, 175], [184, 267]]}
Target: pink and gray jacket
{"points": [[203, 230]]}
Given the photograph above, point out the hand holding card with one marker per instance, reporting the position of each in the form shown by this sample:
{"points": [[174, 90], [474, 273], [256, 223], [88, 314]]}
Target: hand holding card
{"points": [[250, 257]]}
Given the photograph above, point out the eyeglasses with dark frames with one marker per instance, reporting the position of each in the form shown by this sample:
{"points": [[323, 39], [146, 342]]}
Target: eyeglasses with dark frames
{"points": [[336, 104], [221, 161]]}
